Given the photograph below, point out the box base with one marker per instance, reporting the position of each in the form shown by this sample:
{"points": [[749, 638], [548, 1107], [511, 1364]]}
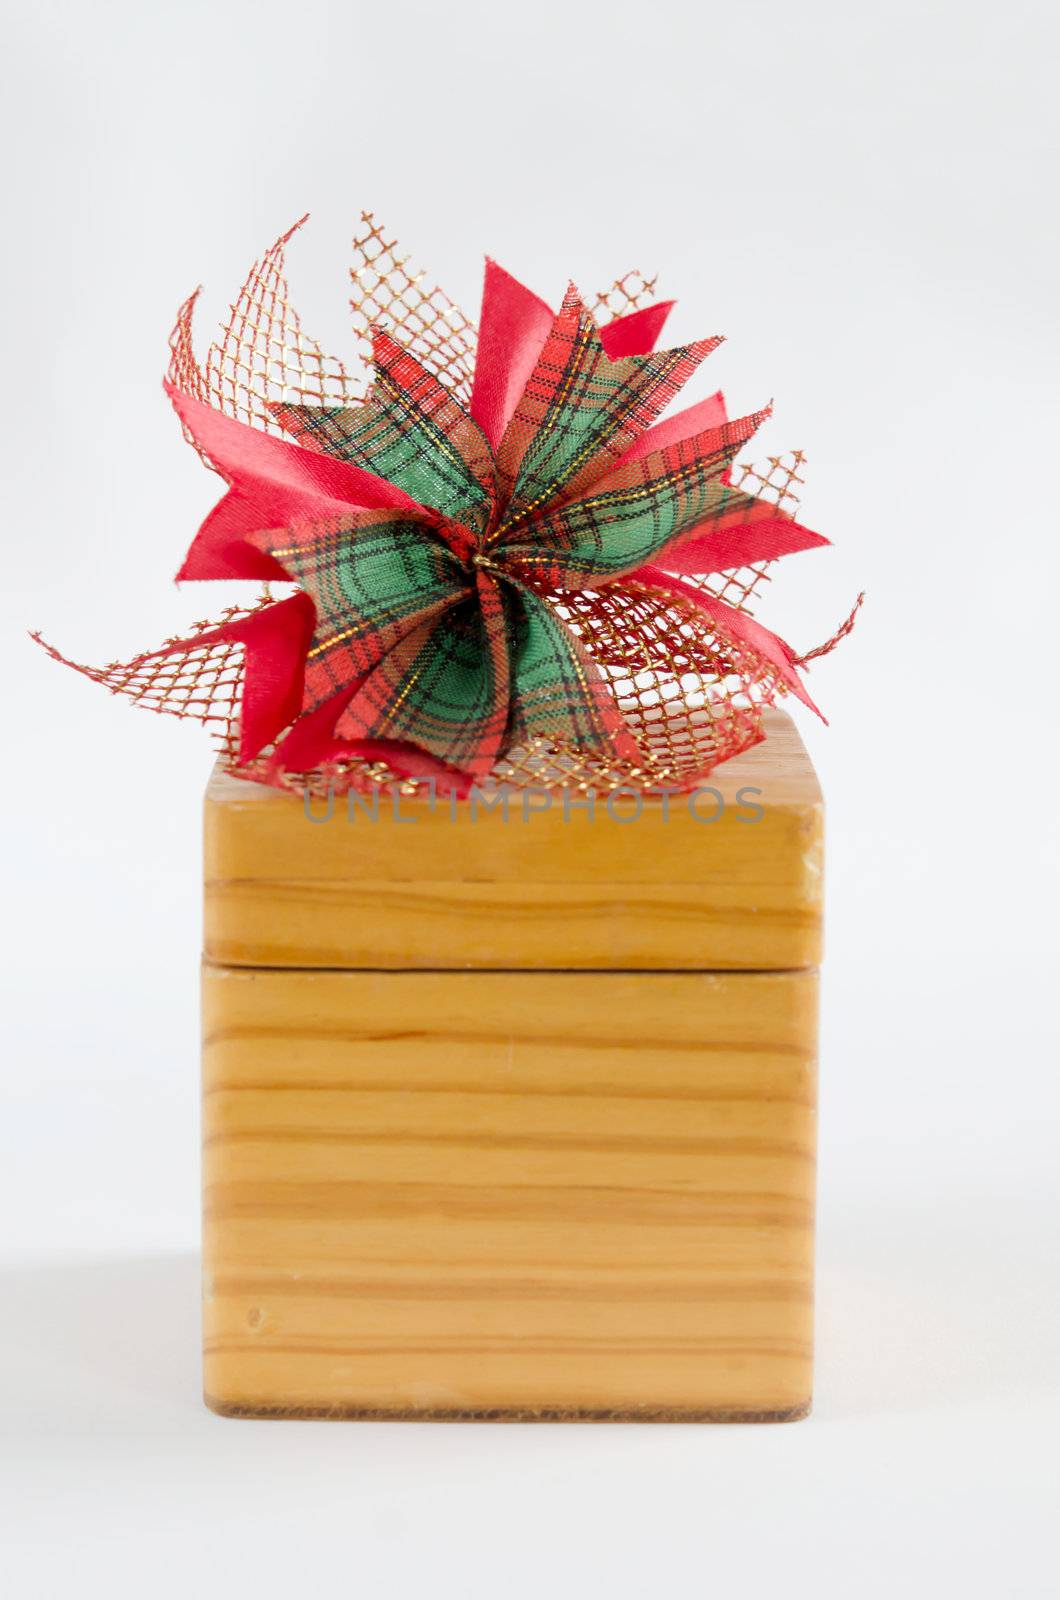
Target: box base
{"points": [[509, 1195]]}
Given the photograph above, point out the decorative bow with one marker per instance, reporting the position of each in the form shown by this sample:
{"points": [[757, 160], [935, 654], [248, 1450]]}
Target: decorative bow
{"points": [[439, 548]]}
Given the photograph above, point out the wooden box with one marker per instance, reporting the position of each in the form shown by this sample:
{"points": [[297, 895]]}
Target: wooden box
{"points": [[513, 1117]]}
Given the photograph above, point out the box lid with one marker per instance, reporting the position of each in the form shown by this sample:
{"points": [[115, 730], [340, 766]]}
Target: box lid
{"points": [[727, 877]]}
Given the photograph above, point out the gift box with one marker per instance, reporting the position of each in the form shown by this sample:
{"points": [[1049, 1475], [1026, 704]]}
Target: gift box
{"points": [[513, 864], [513, 1115]]}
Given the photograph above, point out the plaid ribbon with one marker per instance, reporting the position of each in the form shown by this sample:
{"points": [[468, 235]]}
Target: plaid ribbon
{"points": [[558, 692], [634, 513], [374, 579], [412, 432], [580, 412], [443, 687]]}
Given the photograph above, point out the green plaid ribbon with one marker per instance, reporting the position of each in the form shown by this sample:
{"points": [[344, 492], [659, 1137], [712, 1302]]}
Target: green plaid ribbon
{"points": [[412, 432], [444, 687], [374, 578]]}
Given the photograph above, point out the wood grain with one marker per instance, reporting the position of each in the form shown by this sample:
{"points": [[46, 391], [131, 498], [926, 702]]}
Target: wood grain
{"points": [[503, 1194], [427, 888]]}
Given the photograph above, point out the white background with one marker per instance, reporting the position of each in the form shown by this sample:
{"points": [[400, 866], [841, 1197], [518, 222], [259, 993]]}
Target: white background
{"points": [[863, 199]]}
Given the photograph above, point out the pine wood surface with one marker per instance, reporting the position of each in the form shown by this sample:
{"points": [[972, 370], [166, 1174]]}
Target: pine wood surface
{"points": [[505, 1194], [433, 889]]}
